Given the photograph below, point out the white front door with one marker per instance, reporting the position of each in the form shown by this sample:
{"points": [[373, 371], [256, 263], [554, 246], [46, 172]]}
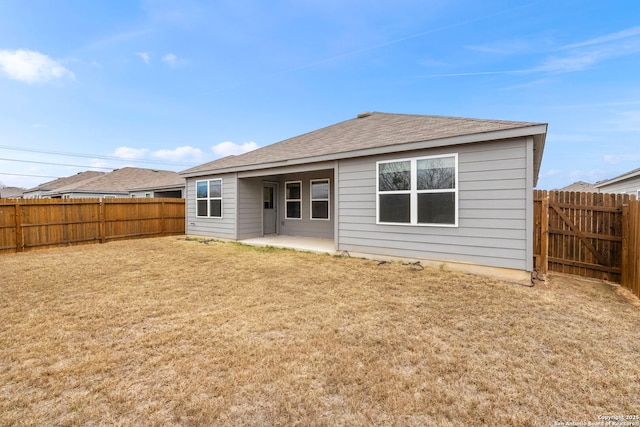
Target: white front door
{"points": [[269, 209]]}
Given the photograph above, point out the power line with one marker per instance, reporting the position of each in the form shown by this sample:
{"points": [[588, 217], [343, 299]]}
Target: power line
{"points": [[56, 164], [24, 174], [92, 156]]}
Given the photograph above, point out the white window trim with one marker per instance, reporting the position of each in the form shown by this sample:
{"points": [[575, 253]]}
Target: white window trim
{"points": [[109, 196], [413, 191], [208, 199], [286, 210], [328, 199]]}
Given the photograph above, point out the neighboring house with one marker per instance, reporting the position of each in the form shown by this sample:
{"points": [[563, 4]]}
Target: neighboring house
{"points": [[118, 183], [628, 183], [167, 189], [43, 190], [580, 187], [11, 192], [383, 185]]}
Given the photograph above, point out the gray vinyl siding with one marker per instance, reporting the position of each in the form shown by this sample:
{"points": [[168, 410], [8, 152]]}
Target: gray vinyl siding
{"points": [[306, 226], [225, 227], [492, 191], [628, 186], [249, 208]]}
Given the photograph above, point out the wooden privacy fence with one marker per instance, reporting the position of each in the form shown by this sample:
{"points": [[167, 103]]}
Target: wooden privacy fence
{"points": [[588, 235], [631, 247], [27, 224]]}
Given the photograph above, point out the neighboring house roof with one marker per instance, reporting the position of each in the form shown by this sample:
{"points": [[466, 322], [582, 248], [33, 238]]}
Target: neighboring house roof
{"points": [[580, 186], [11, 192], [370, 133], [61, 182], [627, 175], [122, 180]]}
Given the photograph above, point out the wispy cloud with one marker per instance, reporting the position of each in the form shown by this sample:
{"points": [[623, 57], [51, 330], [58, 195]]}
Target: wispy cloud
{"points": [[179, 153], [230, 148], [130, 153], [170, 59], [146, 58], [570, 58], [479, 73], [625, 121], [592, 175], [508, 47], [99, 164], [118, 38], [624, 34], [614, 159], [32, 67]]}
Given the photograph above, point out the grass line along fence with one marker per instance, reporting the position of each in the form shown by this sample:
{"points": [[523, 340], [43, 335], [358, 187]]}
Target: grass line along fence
{"points": [[592, 235], [27, 224]]}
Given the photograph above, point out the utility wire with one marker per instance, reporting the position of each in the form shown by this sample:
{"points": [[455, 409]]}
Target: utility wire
{"points": [[92, 156], [24, 174], [56, 164]]}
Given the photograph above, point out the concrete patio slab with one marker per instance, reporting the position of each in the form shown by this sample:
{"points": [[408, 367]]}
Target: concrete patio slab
{"points": [[300, 243]]}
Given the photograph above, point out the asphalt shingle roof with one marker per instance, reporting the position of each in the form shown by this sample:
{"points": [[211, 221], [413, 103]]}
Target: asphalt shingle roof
{"points": [[371, 131], [11, 192], [123, 180], [69, 180]]}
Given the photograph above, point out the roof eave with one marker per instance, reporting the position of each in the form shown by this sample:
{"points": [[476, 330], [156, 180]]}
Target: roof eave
{"points": [[158, 187], [535, 130], [620, 178]]}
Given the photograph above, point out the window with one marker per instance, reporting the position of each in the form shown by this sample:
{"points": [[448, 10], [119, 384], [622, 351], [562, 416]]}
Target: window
{"points": [[267, 197], [419, 191], [320, 198], [147, 195], [108, 196], [209, 198], [293, 200]]}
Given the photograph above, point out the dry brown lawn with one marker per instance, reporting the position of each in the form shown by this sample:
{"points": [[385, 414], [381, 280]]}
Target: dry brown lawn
{"points": [[175, 332]]}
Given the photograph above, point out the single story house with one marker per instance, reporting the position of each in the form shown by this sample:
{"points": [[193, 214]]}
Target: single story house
{"points": [[124, 182], [454, 190], [170, 190], [11, 192], [628, 183], [44, 190], [580, 187]]}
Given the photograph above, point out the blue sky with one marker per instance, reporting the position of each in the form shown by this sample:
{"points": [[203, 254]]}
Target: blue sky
{"points": [[171, 84]]}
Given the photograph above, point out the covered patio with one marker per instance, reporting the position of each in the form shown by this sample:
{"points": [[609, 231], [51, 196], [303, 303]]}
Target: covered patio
{"points": [[300, 243]]}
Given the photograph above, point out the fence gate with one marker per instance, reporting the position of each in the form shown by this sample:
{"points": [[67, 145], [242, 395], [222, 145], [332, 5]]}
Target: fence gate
{"points": [[583, 233]]}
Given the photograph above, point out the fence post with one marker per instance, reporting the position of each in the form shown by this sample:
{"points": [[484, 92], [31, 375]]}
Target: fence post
{"points": [[18, 219], [163, 226], [103, 222], [624, 276], [544, 236]]}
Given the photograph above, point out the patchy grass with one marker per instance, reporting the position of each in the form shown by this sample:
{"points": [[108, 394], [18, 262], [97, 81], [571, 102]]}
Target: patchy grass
{"points": [[175, 332]]}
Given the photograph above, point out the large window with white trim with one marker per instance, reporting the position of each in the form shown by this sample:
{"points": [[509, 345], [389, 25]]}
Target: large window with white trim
{"points": [[320, 199], [293, 199], [209, 198], [418, 191]]}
